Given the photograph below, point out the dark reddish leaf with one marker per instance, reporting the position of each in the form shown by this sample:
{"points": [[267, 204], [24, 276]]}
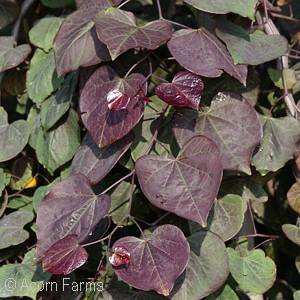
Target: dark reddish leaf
{"points": [[64, 256], [187, 185], [76, 43], [123, 32], [117, 100], [120, 257], [95, 162], [185, 90], [107, 126], [156, 261], [233, 125], [70, 207], [202, 53]]}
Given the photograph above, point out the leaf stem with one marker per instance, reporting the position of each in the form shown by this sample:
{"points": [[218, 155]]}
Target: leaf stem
{"points": [[117, 182], [122, 4], [136, 64], [159, 10], [258, 235]]}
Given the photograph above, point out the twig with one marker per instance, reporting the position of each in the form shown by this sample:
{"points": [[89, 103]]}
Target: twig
{"points": [[258, 235], [117, 182], [280, 16], [159, 10], [136, 64], [122, 4], [252, 217]]}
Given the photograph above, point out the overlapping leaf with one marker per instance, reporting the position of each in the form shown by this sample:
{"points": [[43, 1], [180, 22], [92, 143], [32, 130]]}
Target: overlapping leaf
{"points": [[233, 125], [187, 185], [292, 232], [253, 271], [185, 90], [9, 10], [70, 207], [107, 126], [280, 137], [152, 265], [123, 32], [207, 269], [76, 43], [95, 162], [64, 256], [245, 8], [252, 49], [293, 197], [11, 228], [202, 53], [13, 137], [224, 293], [11, 56]]}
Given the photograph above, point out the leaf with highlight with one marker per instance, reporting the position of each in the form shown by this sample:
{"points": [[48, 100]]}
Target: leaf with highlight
{"points": [[293, 197], [202, 53], [118, 29], [187, 185], [292, 232], [70, 207]]}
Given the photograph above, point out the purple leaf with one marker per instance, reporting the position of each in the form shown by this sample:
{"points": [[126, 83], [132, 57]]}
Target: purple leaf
{"points": [[64, 256], [185, 90], [107, 126], [202, 53], [70, 207], [76, 43], [233, 125], [155, 262], [120, 257], [118, 29], [94, 162], [116, 100], [187, 185]]}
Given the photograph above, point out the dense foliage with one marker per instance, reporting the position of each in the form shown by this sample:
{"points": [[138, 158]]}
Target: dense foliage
{"points": [[149, 149]]}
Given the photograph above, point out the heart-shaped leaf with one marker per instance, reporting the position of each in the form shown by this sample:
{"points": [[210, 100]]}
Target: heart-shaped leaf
{"points": [[245, 8], [107, 126], [224, 293], [11, 228], [207, 269], [123, 33], [76, 43], [64, 256], [9, 10], [233, 125], [187, 185], [202, 53], [185, 90], [13, 136], [252, 49], [94, 162], [253, 271], [293, 197], [280, 137], [70, 207], [292, 232], [11, 56], [152, 265]]}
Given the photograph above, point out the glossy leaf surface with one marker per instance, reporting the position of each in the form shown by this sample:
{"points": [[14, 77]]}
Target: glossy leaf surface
{"points": [[151, 266], [70, 207], [107, 126], [185, 90], [202, 53], [233, 125], [76, 43], [207, 269], [11, 228], [278, 145], [187, 185], [11, 56], [94, 162], [64, 256], [13, 137]]}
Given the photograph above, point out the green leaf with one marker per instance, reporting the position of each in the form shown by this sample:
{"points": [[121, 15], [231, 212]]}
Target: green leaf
{"points": [[9, 10], [11, 228], [207, 268], [11, 56], [23, 279], [276, 77], [42, 78], [3, 203], [43, 32], [297, 263], [34, 121], [292, 232], [296, 295], [21, 204], [253, 271], [224, 293], [280, 137], [22, 173], [58, 146], [245, 8], [13, 136], [250, 49], [2, 181], [293, 197], [58, 3], [57, 105]]}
